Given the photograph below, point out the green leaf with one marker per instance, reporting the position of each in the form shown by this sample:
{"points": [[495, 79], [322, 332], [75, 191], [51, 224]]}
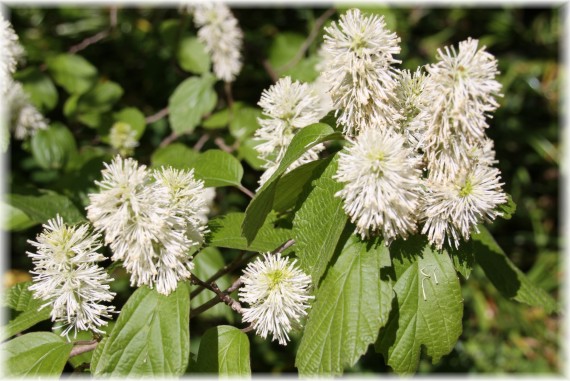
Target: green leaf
{"points": [[74, 73], [224, 350], [151, 336], [463, 258], [35, 354], [225, 232], [246, 151], [284, 47], [243, 121], [317, 237], [218, 169], [192, 99], [505, 276], [15, 219], [42, 208], [176, 155], [19, 298], [261, 204], [192, 56], [352, 304], [427, 310], [39, 87], [509, 208], [134, 117], [53, 147], [304, 70], [206, 264]]}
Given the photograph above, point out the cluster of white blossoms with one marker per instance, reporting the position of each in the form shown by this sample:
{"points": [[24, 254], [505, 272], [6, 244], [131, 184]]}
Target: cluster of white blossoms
{"points": [[359, 53], [278, 295], [67, 277], [417, 150], [151, 220], [123, 138], [462, 188], [288, 106], [220, 33], [24, 119], [11, 52]]}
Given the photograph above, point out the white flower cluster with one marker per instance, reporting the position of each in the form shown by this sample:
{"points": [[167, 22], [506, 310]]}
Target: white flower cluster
{"points": [[12, 52], [151, 220], [278, 295], [123, 138], [359, 53], [398, 123], [288, 106], [462, 188], [67, 276], [25, 119], [220, 33]]}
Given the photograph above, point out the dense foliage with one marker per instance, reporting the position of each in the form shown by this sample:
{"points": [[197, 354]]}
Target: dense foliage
{"points": [[492, 307]]}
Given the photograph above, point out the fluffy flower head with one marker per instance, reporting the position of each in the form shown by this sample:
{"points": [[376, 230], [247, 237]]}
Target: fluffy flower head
{"points": [[67, 277], [278, 295], [25, 119], [220, 33], [11, 52], [150, 220], [455, 206], [381, 184], [288, 106], [359, 53]]}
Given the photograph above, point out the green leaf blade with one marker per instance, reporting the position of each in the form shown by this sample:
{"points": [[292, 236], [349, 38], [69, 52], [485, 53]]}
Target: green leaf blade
{"points": [[428, 309], [151, 336], [317, 237], [350, 307], [218, 169], [36, 354], [224, 350], [225, 232], [505, 276], [192, 56], [261, 204], [190, 101]]}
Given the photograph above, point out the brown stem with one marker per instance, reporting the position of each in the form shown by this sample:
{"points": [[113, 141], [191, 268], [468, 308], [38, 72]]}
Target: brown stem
{"points": [[269, 69], [223, 271], [228, 91], [200, 143], [222, 296], [159, 115], [169, 139], [307, 43], [246, 191], [222, 145], [82, 348], [247, 329], [89, 41]]}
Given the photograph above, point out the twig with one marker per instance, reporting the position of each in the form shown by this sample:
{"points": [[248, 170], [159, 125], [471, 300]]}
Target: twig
{"points": [[223, 271], [98, 36], [82, 348], [307, 43], [159, 115], [247, 329], [284, 247], [228, 91], [169, 139], [222, 296], [245, 191], [200, 143], [222, 145], [269, 69]]}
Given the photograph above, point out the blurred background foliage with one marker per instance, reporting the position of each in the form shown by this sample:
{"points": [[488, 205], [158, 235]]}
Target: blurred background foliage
{"points": [[139, 50]]}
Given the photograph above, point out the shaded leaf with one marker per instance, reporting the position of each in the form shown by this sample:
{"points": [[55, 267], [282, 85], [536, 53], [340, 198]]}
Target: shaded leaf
{"points": [[42, 208], [53, 147], [505, 276], [225, 231], [73, 72], [39, 87]]}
